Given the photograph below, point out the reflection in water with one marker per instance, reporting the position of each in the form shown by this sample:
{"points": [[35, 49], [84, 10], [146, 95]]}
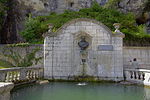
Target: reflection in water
{"points": [[71, 91], [147, 93]]}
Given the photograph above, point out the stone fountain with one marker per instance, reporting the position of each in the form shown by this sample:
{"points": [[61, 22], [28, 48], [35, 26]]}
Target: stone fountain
{"points": [[84, 48]]}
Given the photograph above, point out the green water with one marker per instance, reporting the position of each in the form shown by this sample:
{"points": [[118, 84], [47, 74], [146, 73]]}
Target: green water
{"points": [[71, 91]]}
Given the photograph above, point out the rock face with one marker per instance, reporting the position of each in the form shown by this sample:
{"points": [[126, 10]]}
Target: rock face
{"points": [[135, 6], [42, 7], [20, 9], [38, 7]]}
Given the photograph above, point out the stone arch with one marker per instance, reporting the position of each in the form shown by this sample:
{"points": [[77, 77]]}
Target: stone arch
{"points": [[59, 31]]}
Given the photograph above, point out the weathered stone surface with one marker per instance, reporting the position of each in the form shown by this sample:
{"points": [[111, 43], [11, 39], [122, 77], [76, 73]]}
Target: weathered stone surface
{"points": [[135, 6], [105, 47], [22, 51], [45, 6], [141, 53], [5, 89], [65, 57]]}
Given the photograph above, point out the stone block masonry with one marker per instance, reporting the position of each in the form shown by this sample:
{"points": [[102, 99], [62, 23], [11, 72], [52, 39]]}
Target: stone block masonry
{"points": [[64, 58], [5, 89], [142, 54], [22, 51]]}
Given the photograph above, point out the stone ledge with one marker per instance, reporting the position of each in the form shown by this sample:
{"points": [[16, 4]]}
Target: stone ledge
{"points": [[132, 47], [5, 89]]}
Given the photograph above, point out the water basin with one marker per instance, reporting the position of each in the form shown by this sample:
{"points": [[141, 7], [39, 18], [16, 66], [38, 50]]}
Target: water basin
{"points": [[72, 91]]}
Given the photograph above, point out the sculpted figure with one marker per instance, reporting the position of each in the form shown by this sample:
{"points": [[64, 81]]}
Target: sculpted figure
{"points": [[83, 44]]}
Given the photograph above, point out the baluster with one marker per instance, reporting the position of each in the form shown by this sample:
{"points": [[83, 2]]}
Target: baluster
{"points": [[139, 75], [7, 77], [131, 74], [27, 74], [30, 75], [22, 75], [143, 74], [13, 76], [10, 77], [18, 76], [3, 76], [34, 74], [37, 74], [135, 75]]}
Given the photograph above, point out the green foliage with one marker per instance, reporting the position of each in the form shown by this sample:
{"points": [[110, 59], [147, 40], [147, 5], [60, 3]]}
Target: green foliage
{"points": [[33, 30], [3, 9], [112, 4], [16, 60], [18, 45], [5, 64]]}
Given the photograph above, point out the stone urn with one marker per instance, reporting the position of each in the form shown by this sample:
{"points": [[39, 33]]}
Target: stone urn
{"points": [[117, 26]]}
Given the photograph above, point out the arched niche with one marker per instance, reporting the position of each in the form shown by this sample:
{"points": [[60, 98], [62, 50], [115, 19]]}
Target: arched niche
{"points": [[79, 35]]}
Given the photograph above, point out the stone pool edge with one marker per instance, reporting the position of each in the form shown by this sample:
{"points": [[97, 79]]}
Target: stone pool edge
{"points": [[5, 89]]}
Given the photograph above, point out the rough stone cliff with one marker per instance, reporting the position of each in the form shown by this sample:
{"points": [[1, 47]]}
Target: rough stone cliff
{"points": [[20, 9]]}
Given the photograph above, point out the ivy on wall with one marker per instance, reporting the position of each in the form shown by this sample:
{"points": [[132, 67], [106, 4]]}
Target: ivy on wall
{"points": [[14, 59]]}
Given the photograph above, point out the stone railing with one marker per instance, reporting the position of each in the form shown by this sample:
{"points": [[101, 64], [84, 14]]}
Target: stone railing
{"points": [[20, 74], [141, 76]]}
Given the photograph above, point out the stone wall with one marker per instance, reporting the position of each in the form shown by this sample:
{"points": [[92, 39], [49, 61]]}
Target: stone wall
{"points": [[63, 57], [141, 53], [22, 51], [5, 89]]}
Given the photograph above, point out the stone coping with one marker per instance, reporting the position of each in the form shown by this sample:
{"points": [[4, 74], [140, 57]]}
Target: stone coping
{"points": [[21, 46], [59, 31], [132, 47], [5, 87], [3, 84], [19, 68], [141, 70]]}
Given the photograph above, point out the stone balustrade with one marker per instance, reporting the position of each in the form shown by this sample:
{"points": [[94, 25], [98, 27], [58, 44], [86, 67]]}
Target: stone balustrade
{"points": [[18, 74], [140, 76]]}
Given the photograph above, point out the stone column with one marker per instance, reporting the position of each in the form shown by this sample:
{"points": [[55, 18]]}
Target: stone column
{"points": [[118, 55]]}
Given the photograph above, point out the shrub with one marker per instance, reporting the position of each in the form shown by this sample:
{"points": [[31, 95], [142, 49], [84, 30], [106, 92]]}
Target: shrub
{"points": [[36, 26], [14, 59], [33, 30], [3, 9]]}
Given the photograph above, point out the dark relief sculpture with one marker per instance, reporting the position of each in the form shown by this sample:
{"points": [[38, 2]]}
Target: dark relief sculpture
{"points": [[83, 44]]}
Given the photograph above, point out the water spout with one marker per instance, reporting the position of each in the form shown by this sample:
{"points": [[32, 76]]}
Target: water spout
{"points": [[82, 84]]}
